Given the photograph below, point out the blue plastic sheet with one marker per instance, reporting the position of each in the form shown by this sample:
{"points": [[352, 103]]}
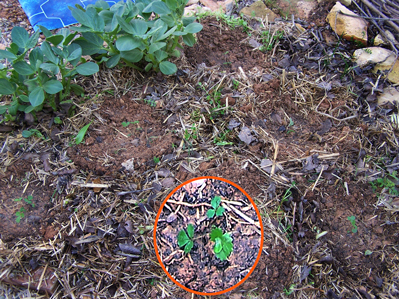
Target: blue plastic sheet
{"points": [[52, 14]]}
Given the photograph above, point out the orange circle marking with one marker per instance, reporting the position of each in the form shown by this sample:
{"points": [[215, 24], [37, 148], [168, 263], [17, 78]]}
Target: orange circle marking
{"points": [[261, 240]]}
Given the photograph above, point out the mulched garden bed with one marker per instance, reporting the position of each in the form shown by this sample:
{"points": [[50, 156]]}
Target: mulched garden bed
{"points": [[201, 270]]}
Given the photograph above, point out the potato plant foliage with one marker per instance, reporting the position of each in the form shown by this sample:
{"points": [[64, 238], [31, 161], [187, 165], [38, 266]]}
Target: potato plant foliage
{"points": [[143, 31]]}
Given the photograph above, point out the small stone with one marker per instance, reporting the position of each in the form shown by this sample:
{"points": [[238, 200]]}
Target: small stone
{"points": [[128, 164], [350, 28], [381, 40], [259, 10], [389, 95], [347, 3]]}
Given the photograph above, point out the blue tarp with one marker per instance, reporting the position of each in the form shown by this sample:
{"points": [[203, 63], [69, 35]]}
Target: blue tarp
{"points": [[53, 14]]}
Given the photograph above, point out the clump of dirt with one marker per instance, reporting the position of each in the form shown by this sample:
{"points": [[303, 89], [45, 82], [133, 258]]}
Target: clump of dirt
{"points": [[228, 48]]}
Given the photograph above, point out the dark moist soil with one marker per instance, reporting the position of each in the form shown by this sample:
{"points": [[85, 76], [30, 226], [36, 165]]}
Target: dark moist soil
{"points": [[302, 138], [201, 270]]}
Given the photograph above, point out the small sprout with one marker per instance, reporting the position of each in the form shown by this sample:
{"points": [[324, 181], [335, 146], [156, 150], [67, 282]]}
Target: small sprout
{"points": [[217, 209], [20, 214], [223, 243], [186, 239], [352, 220], [368, 252], [126, 123], [28, 200], [81, 135], [57, 120], [156, 160]]}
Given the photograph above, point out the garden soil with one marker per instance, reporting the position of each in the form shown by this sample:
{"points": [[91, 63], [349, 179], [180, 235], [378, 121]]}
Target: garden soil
{"points": [[299, 166]]}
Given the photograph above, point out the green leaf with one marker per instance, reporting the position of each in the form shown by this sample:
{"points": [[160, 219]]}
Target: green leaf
{"points": [[3, 109], [88, 48], [157, 7], [132, 56], [55, 39], [7, 55], [36, 58], [80, 16], [215, 202], [87, 69], [24, 98], [210, 213], [23, 68], [53, 86], [193, 28], [127, 43], [156, 46], [188, 246], [78, 90], [124, 25], [167, 68], [148, 67], [36, 97], [161, 55], [139, 27], [75, 52], [188, 20], [218, 245], [20, 36], [219, 211], [45, 31], [81, 135], [168, 33], [46, 49], [7, 87], [113, 61], [50, 67], [182, 238], [172, 5], [190, 231], [32, 42], [216, 233], [26, 133], [189, 39]]}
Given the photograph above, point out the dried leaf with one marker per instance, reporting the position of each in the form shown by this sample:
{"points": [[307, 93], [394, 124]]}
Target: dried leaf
{"points": [[325, 85], [233, 123], [312, 162], [245, 135], [305, 272], [325, 127], [266, 165], [129, 248]]}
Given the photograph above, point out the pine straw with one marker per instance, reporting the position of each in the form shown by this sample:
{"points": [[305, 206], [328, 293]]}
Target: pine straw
{"points": [[103, 265]]}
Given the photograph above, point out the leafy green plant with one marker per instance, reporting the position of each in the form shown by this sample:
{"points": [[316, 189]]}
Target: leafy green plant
{"points": [[220, 140], [236, 84], [217, 209], [57, 120], [30, 73], [32, 132], [156, 160], [126, 123], [290, 289], [143, 31], [81, 135], [387, 183], [28, 200], [20, 214], [186, 239], [352, 220], [269, 40], [223, 243]]}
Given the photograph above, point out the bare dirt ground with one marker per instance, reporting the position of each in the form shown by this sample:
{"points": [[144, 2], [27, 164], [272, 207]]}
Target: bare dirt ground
{"points": [[295, 127]]}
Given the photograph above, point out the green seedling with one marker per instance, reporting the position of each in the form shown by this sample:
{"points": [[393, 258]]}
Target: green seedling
{"points": [[387, 183], [126, 123], [290, 290], [352, 220], [217, 209], [32, 132], [81, 135], [28, 200], [223, 243], [236, 84], [20, 214], [57, 120], [368, 252], [156, 160], [185, 240]]}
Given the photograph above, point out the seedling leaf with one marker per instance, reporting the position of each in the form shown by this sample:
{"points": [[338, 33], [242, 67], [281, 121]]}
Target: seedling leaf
{"points": [[219, 211], [218, 245], [216, 201], [210, 213], [216, 233], [81, 135], [182, 238], [189, 246], [190, 231]]}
